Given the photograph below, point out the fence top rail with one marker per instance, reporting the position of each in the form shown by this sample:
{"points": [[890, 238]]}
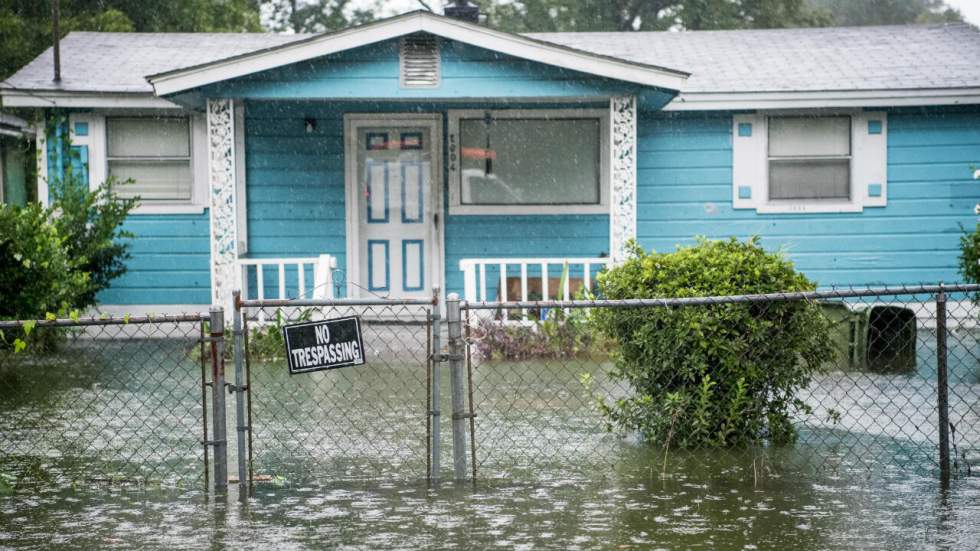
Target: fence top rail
{"points": [[108, 320], [904, 290], [340, 302]]}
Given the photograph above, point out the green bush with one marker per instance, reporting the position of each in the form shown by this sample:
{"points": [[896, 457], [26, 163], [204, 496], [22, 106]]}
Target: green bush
{"points": [[37, 275], [970, 255], [56, 260], [91, 224], [711, 376]]}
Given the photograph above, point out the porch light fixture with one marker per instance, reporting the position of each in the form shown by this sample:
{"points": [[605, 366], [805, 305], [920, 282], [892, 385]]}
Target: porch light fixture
{"points": [[310, 125]]}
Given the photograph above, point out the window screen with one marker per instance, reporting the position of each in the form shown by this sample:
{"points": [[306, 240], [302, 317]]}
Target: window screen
{"points": [[809, 158], [155, 153], [530, 161]]}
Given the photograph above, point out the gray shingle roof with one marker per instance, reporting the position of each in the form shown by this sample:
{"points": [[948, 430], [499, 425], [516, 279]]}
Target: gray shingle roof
{"points": [[853, 58], [119, 62], [841, 58]]}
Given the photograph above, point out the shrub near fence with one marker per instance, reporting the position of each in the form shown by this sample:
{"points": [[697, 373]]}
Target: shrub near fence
{"points": [[720, 375], [898, 389]]}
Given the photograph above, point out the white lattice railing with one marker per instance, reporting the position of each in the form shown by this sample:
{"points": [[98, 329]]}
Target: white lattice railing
{"points": [[527, 278], [288, 273]]}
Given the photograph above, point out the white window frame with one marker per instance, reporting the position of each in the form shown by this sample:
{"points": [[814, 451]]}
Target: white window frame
{"points": [[456, 207], [99, 162], [868, 164]]}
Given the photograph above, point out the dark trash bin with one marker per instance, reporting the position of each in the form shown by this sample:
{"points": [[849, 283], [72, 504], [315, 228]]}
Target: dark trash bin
{"points": [[879, 338]]}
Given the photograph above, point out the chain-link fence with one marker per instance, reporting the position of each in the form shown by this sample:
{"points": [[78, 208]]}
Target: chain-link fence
{"points": [[368, 421], [851, 380], [96, 401]]}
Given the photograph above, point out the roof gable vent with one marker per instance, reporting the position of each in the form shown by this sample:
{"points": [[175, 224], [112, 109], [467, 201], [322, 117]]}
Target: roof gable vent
{"points": [[419, 61]]}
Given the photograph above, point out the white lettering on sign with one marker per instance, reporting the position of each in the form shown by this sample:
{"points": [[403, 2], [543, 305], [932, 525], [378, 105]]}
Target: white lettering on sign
{"points": [[327, 354], [322, 334]]}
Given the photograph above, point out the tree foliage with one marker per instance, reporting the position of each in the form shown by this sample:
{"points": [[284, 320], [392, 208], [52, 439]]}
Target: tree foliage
{"points": [[310, 16], [654, 15], [887, 12], [711, 375]]}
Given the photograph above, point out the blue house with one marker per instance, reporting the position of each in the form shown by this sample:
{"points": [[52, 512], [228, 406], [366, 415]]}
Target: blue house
{"points": [[423, 152]]}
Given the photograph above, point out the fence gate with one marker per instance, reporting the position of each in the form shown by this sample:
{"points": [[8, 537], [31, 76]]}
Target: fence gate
{"points": [[369, 421]]}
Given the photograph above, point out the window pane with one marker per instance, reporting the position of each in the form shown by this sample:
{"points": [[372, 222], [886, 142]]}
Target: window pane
{"points": [[809, 136], [148, 137], [156, 180], [809, 179], [530, 161]]}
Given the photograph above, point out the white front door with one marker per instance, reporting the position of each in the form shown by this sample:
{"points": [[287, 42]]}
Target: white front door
{"points": [[393, 185]]}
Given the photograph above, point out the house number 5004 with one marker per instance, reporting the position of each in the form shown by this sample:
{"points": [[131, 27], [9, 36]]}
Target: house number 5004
{"points": [[452, 152]]}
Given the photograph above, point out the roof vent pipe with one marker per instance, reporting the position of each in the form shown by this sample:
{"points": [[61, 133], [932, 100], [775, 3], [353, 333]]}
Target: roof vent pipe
{"points": [[464, 11], [56, 33]]}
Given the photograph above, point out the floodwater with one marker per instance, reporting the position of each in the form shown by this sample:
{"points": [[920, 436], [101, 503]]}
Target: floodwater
{"points": [[687, 509], [342, 458]]}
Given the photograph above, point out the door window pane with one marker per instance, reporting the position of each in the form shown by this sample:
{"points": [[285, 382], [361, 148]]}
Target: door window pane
{"points": [[530, 161]]}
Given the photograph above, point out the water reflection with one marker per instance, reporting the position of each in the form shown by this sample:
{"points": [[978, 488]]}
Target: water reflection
{"points": [[713, 503]]}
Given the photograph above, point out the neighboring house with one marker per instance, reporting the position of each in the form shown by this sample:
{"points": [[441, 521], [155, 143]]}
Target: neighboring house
{"points": [[417, 146], [15, 134]]}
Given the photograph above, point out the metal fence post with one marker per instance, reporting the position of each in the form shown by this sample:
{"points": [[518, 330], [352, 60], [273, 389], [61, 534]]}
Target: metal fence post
{"points": [[239, 390], [218, 433], [436, 368], [942, 383], [454, 319]]}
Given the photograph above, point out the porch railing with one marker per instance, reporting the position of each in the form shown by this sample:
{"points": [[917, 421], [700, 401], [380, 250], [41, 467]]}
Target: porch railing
{"points": [[289, 275], [527, 278]]}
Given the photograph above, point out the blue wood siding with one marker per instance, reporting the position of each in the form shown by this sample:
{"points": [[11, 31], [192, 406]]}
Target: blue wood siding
{"points": [[685, 189], [372, 72], [294, 186], [170, 261]]}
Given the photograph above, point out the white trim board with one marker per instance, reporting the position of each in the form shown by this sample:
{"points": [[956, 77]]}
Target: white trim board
{"points": [[41, 143], [827, 99], [95, 100], [180, 80]]}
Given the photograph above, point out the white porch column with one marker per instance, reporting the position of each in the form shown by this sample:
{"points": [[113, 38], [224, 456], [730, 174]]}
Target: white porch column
{"points": [[622, 183], [221, 178]]}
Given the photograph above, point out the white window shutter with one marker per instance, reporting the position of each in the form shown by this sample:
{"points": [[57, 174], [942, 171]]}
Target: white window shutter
{"points": [[749, 161], [93, 138], [869, 167]]}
